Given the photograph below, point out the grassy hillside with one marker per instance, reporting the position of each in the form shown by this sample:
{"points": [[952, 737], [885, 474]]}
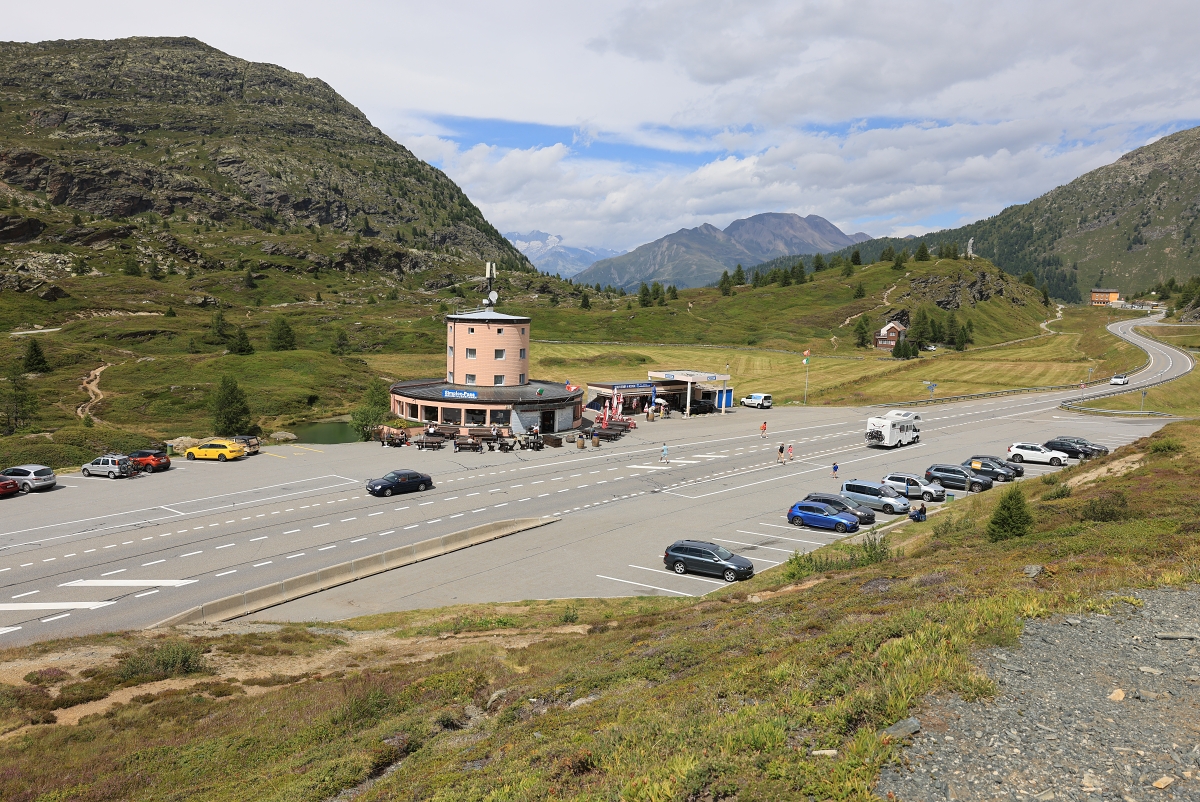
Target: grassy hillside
{"points": [[724, 697], [1128, 225]]}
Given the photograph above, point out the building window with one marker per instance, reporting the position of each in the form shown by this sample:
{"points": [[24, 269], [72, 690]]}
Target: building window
{"points": [[451, 415], [522, 330], [470, 329], [429, 414], [470, 353], [498, 380], [469, 378], [450, 329], [499, 331], [522, 353], [499, 353], [501, 417], [476, 417], [450, 376], [521, 379], [450, 350]]}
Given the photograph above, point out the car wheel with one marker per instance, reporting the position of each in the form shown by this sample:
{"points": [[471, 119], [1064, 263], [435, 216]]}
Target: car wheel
{"points": [[976, 487], [387, 492], [796, 521], [112, 474], [191, 457], [679, 567], [840, 528], [421, 487], [729, 575], [1055, 461], [25, 488], [889, 509], [220, 458], [86, 472], [927, 496], [1017, 458], [148, 469]]}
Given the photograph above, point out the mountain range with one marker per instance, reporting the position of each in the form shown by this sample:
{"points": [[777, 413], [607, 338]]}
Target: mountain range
{"points": [[1127, 225], [547, 252], [695, 257]]}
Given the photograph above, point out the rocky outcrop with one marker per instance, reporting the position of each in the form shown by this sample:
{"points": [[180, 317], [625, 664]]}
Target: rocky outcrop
{"points": [[16, 228], [954, 292], [377, 258]]}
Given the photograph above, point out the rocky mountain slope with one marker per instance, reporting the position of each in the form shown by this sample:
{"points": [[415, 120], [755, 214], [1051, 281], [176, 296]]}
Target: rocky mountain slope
{"points": [[695, 257], [162, 127], [547, 253], [1128, 225]]}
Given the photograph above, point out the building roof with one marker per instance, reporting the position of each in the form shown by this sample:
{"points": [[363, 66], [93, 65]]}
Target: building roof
{"points": [[487, 315], [1099, 289], [688, 376], [895, 324], [521, 394]]}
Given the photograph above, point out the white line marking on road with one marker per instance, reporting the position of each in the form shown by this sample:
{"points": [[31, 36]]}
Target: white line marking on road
{"points": [[344, 520], [26, 593], [672, 573], [543, 495], [264, 537], [374, 513], [326, 548], [458, 515], [752, 545], [55, 617], [398, 509], [260, 565], [227, 545], [291, 531], [413, 526], [358, 540], [388, 532], [776, 526], [318, 526], [642, 585], [527, 498], [450, 498], [434, 521], [227, 573], [147, 593], [290, 556], [49, 559], [780, 537], [192, 553], [110, 573], [21, 606], [481, 509], [156, 562]]}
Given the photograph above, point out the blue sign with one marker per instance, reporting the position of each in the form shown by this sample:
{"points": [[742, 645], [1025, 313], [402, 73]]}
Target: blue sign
{"points": [[467, 394], [637, 386]]}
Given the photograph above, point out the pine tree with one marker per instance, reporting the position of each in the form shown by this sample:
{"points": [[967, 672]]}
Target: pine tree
{"points": [[132, 268], [218, 328], [862, 332], [725, 284], [241, 343], [170, 312], [856, 257], [35, 359], [739, 275], [1029, 278], [888, 254], [785, 278], [672, 293], [818, 263], [644, 298], [585, 302], [341, 342], [922, 253], [319, 299], [1045, 294], [960, 339], [847, 270], [281, 337], [919, 331], [18, 404], [375, 409], [899, 260], [860, 291], [155, 272], [230, 409], [1011, 518], [899, 350]]}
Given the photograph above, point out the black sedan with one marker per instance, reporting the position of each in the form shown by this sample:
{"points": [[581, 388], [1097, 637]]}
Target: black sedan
{"points": [[993, 469], [399, 482], [1098, 449], [1071, 449], [1017, 468], [865, 515]]}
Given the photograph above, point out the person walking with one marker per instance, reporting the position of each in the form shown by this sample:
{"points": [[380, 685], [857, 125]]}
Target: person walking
{"points": [[663, 457], [780, 457], [833, 473], [762, 431], [790, 456]]}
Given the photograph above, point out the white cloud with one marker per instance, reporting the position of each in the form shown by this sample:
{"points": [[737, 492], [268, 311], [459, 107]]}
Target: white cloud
{"points": [[878, 114]]}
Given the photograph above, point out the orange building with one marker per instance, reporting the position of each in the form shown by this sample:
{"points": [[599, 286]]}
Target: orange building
{"points": [[1103, 297], [487, 381]]}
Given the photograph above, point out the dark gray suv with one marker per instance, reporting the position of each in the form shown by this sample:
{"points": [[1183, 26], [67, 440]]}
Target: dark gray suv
{"points": [[865, 515], [698, 557], [957, 477]]}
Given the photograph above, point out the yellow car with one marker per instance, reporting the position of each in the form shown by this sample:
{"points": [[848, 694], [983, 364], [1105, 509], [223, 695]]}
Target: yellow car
{"points": [[220, 450]]}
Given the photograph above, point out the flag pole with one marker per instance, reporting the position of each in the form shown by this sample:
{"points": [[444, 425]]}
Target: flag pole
{"points": [[806, 353]]}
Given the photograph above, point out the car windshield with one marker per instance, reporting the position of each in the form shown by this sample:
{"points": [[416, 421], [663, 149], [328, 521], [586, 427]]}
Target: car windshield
{"points": [[394, 476], [889, 492], [723, 552]]}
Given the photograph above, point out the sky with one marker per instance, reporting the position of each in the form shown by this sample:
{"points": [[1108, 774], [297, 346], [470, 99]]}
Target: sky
{"points": [[615, 123]]}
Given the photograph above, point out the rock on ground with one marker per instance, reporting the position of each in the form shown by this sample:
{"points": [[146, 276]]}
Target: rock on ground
{"points": [[1090, 707]]}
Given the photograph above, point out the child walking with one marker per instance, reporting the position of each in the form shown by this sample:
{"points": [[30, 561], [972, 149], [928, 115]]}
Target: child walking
{"points": [[663, 457]]}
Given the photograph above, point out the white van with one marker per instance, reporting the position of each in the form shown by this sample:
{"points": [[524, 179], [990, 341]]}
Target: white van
{"points": [[759, 400]]}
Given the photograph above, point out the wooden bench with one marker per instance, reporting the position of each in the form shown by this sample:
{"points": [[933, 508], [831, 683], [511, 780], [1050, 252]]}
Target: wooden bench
{"points": [[429, 441]]}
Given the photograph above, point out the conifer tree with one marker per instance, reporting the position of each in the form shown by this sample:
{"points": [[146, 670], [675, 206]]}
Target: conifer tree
{"points": [[888, 254], [847, 270], [739, 275], [584, 301], [230, 409], [856, 257], [818, 263], [725, 284], [341, 342], [922, 253], [860, 291], [645, 300], [241, 343], [862, 333], [35, 358], [281, 337], [1011, 518]]}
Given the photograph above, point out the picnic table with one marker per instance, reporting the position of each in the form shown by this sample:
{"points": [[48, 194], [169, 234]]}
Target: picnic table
{"points": [[467, 444], [429, 441]]}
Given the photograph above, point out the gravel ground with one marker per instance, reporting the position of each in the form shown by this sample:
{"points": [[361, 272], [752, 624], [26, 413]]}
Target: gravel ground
{"points": [[1089, 708]]}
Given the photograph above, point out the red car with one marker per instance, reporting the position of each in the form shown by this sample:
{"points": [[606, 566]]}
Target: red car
{"points": [[8, 487], [150, 461]]}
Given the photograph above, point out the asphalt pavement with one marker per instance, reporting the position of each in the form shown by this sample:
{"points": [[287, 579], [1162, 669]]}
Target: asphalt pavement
{"points": [[99, 554]]}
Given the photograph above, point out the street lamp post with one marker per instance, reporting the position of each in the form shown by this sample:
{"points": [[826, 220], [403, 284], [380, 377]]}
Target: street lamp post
{"points": [[1142, 408]]}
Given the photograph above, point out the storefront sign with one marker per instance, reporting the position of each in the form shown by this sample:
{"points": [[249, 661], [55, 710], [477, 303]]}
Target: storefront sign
{"points": [[637, 386], [469, 394]]}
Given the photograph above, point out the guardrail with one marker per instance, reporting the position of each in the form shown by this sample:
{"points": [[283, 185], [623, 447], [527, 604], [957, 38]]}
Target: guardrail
{"points": [[1147, 413]]}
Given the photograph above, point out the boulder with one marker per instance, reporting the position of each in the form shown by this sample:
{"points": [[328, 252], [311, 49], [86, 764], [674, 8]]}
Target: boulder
{"points": [[17, 228], [283, 437], [201, 300], [53, 293]]}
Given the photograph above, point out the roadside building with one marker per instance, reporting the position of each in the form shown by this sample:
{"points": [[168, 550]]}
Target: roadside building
{"points": [[678, 389], [487, 381], [889, 335], [1104, 297]]}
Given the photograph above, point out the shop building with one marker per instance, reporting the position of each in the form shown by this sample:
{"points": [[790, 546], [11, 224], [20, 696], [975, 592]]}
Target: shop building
{"points": [[487, 381], [679, 389]]}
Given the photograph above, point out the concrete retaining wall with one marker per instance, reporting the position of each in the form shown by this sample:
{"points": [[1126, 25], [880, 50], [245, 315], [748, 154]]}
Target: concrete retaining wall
{"points": [[251, 601]]}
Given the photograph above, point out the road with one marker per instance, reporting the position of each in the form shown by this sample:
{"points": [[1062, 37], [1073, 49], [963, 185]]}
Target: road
{"points": [[98, 554]]}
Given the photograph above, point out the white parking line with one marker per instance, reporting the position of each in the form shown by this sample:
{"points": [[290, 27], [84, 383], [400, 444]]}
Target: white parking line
{"points": [[672, 573], [642, 585], [752, 545], [780, 537]]}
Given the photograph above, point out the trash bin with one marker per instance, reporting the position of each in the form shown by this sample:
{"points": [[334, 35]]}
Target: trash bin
{"points": [[595, 441], [580, 443], [949, 497]]}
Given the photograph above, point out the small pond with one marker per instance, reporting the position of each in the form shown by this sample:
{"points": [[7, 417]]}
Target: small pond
{"points": [[331, 432]]}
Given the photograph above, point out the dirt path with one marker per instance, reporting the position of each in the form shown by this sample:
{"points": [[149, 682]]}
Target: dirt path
{"points": [[1045, 324], [886, 293], [92, 386]]}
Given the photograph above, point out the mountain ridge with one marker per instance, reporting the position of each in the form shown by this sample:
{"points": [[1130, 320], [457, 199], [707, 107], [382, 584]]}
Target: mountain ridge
{"points": [[695, 257], [547, 252]]}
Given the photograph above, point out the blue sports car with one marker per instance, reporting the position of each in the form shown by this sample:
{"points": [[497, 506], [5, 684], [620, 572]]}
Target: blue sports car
{"points": [[822, 516]]}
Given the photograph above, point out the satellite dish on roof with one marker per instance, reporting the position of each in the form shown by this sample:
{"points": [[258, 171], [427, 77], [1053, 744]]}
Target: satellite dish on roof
{"points": [[493, 296]]}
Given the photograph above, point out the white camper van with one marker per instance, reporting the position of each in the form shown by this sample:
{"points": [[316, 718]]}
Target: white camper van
{"points": [[896, 428]]}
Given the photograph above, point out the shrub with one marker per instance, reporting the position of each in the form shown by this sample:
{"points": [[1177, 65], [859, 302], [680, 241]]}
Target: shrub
{"points": [[1166, 445], [363, 708], [570, 615], [874, 549], [1062, 491], [46, 676], [1106, 507], [1011, 518], [170, 659]]}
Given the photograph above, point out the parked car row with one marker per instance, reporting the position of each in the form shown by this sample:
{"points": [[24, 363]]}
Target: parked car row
{"points": [[26, 478]]}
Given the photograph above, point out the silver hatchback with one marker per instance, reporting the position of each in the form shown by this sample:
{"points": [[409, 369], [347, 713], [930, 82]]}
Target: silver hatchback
{"points": [[31, 477], [913, 486]]}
